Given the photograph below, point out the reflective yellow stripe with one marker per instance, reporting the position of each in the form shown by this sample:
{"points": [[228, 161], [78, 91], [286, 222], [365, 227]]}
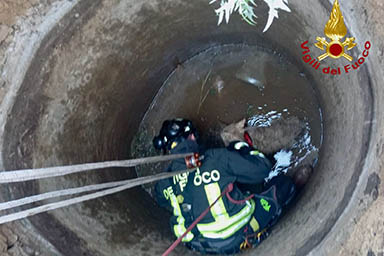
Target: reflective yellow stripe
{"points": [[240, 145], [254, 152], [218, 210], [227, 232], [179, 229], [224, 226], [254, 224]]}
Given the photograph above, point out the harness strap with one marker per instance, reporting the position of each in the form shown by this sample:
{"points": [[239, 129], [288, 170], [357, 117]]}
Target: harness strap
{"points": [[230, 188]]}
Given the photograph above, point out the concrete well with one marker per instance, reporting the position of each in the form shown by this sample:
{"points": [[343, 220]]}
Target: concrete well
{"points": [[80, 75]]}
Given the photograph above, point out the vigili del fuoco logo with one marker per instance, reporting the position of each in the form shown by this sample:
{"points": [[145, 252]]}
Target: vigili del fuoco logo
{"points": [[336, 48]]}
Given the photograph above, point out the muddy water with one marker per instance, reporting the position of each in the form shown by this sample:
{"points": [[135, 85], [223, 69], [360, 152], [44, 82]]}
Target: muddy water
{"points": [[226, 84]]}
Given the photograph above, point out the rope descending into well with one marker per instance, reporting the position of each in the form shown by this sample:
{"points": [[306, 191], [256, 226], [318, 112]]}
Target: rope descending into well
{"points": [[116, 187], [103, 189], [41, 173]]}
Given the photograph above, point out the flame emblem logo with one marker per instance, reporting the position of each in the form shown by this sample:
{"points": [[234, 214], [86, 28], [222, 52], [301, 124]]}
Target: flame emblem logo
{"points": [[335, 29]]}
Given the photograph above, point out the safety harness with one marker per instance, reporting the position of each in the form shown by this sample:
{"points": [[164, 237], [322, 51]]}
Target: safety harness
{"points": [[245, 245]]}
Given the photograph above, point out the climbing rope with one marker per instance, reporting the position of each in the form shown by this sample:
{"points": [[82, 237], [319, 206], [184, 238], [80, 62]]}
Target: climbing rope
{"points": [[106, 188], [59, 193], [41, 173], [52, 206]]}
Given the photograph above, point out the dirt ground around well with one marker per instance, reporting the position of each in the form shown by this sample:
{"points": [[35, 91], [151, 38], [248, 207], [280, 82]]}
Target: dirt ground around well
{"points": [[13, 241]]}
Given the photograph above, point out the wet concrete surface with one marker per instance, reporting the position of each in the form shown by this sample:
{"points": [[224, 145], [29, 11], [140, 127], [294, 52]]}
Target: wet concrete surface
{"points": [[78, 77]]}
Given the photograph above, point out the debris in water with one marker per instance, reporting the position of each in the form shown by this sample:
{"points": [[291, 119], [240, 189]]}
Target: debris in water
{"points": [[203, 98], [219, 84], [252, 73], [250, 80]]}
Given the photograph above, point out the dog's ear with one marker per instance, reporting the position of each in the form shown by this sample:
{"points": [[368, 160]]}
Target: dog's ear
{"points": [[240, 125], [236, 128]]}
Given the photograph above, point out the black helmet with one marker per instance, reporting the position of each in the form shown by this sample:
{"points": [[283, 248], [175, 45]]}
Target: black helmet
{"points": [[173, 132]]}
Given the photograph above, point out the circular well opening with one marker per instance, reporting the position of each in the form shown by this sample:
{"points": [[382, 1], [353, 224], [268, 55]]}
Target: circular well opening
{"points": [[92, 81]]}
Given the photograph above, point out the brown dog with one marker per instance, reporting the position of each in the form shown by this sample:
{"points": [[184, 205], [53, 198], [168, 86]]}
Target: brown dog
{"points": [[281, 134]]}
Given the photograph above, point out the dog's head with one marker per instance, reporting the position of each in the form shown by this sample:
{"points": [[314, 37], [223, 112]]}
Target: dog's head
{"points": [[233, 132]]}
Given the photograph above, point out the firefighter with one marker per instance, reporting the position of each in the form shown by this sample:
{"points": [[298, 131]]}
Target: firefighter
{"points": [[238, 220]]}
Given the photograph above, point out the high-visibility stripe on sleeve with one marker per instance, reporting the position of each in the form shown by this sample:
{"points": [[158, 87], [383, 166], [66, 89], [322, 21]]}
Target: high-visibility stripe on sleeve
{"points": [[240, 145], [254, 224], [254, 153], [179, 229]]}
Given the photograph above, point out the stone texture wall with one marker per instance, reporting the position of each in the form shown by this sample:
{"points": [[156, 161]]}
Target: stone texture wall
{"points": [[365, 235], [19, 17], [364, 232]]}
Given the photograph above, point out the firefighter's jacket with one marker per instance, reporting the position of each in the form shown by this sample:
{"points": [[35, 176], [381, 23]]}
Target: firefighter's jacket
{"points": [[188, 195]]}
